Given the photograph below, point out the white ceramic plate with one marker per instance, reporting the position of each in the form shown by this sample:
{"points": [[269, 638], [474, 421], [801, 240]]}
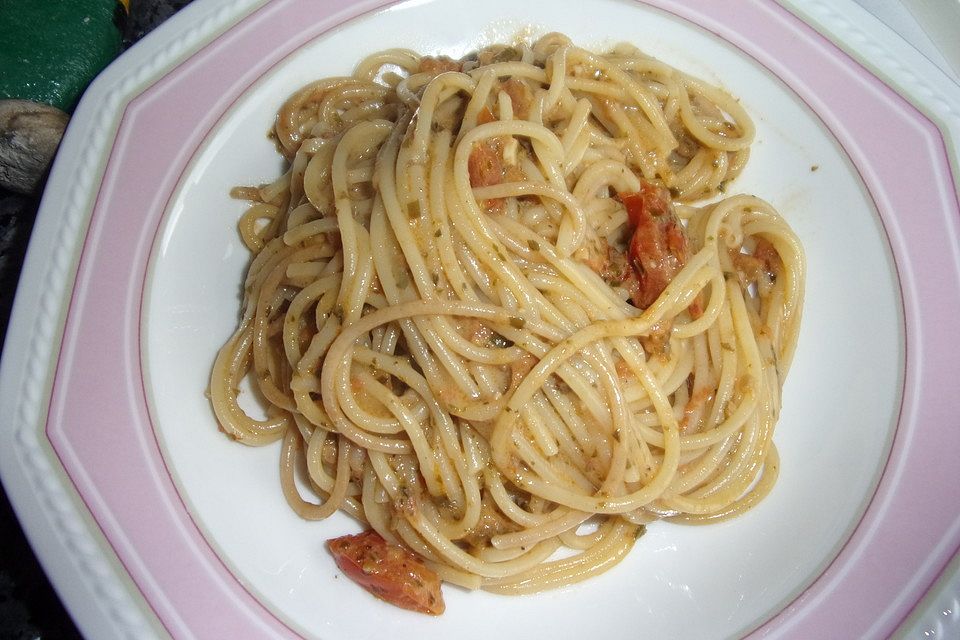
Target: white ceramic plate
{"points": [[152, 523]]}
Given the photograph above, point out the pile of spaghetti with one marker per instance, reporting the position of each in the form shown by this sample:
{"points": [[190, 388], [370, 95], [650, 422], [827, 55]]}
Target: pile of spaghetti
{"points": [[487, 319]]}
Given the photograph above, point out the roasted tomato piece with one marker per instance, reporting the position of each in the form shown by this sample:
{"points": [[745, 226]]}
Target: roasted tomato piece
{"points": [[486, 168], [520, 97], [388, 571], [485, 163], [762, 266], [439, 64], [769, 259], [657, 249], [485, 116]]}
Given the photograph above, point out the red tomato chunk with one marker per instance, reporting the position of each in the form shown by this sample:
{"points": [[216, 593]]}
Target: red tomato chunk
{"points": [[388, 571], [658, 248]]}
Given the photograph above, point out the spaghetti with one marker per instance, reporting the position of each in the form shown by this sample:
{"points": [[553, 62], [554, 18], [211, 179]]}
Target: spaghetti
{"points": [[486, 317]]}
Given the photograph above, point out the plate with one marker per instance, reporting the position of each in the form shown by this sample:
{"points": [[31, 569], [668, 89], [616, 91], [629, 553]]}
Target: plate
{"points": [[152, 524]]}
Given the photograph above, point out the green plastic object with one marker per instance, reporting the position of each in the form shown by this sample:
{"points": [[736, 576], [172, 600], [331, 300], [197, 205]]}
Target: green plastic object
{"points": [[50, 50]]}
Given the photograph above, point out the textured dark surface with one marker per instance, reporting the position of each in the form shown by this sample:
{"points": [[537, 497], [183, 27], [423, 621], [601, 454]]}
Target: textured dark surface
{"points": [[52, 50], [29, 607], [145, 15]]}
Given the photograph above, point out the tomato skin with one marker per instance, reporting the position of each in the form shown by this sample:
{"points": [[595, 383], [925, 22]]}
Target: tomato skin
{"points": [[657, 249], [520, 97], [390, 572], [485, 164], [486, 167], [435, 65]]}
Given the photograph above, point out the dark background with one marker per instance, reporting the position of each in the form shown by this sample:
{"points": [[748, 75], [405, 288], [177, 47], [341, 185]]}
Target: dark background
{"points": [[29, 607]]}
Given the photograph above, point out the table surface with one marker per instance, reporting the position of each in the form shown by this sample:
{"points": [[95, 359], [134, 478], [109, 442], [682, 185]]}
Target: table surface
{"points": [[29, 607]]}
